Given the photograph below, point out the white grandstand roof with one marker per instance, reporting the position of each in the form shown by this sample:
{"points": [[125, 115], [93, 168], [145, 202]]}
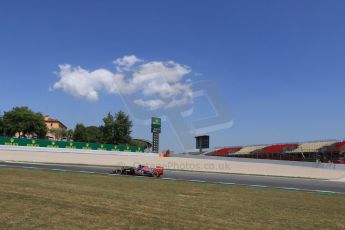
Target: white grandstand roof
{"points": [[248, 149], [311, 147]]}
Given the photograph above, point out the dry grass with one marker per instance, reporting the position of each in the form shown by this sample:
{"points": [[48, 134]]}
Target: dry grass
{"points": [[34, 199]]}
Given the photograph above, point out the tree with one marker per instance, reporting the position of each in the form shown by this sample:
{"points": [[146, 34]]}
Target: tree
{"points": [[93, 134], [79, 133], [117, 129], [59, 133], [123, 128], [1, 126], [69, 135], [24, 121], [108, 129]]}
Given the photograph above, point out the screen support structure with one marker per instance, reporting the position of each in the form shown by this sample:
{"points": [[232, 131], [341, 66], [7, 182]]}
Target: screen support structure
{"points": [[202, 142], [155, 142], [155, 130]]}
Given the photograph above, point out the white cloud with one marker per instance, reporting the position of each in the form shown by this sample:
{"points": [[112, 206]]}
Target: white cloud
{"points": [[82, 83], [158, 84], [126, 62], [152, 104]]}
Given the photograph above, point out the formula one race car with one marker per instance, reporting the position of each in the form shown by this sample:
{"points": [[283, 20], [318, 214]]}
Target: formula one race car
{"points": [[141, 170]]}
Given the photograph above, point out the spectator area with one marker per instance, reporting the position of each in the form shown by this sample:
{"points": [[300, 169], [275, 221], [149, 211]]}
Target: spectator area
{"points": [[322, 151], [336, 148], [311, 147], [223, 151], [249, 149], [277, 149]]}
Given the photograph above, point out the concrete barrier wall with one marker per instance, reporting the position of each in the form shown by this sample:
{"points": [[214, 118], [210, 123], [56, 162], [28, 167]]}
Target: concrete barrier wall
{"points": [[175, 163], [280, 162]]}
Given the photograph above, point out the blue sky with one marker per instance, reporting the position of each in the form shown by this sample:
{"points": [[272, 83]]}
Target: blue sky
{"points": [[280, 65]]}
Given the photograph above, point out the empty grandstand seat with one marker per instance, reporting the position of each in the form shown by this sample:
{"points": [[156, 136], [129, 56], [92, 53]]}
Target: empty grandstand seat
{"points": [[337, 147], [276, 149], [248, 149], [311, 147], [223, 151]]}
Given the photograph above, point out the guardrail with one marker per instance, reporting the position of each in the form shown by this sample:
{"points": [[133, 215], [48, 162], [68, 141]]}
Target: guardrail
{"points": [[8, 141]]}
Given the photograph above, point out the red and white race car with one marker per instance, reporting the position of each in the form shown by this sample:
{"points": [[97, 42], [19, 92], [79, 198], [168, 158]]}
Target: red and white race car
{"points": [[141, 170]]}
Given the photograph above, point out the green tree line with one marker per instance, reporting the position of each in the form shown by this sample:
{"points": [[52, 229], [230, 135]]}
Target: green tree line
{"points": [[116, 129]]}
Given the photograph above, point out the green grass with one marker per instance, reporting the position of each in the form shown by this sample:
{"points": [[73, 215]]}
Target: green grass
{"points": [[35, 199]]}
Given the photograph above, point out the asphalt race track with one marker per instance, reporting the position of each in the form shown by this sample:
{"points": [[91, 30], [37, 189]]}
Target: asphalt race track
{"points": [[308, 185]]}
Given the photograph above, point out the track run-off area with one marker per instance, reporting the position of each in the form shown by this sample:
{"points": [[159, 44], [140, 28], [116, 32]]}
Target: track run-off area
{"points": [[266, 182]]}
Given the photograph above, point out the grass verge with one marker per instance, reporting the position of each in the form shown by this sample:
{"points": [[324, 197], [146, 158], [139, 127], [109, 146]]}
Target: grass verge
{"points": [[35, 199]]}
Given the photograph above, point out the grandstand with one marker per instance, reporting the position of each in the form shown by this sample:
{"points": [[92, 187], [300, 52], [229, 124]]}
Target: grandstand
{"points": [[311, 147], [223, 151], [247, 150], [335, 151], [275, 151], [336, 148], [324, 151], [309, 151]]}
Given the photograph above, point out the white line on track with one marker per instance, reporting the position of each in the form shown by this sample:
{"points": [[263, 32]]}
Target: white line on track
{"points": [[29, 167], [88, 172], [199, 181], [60, 170], [290, 188], [226, 183]]}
